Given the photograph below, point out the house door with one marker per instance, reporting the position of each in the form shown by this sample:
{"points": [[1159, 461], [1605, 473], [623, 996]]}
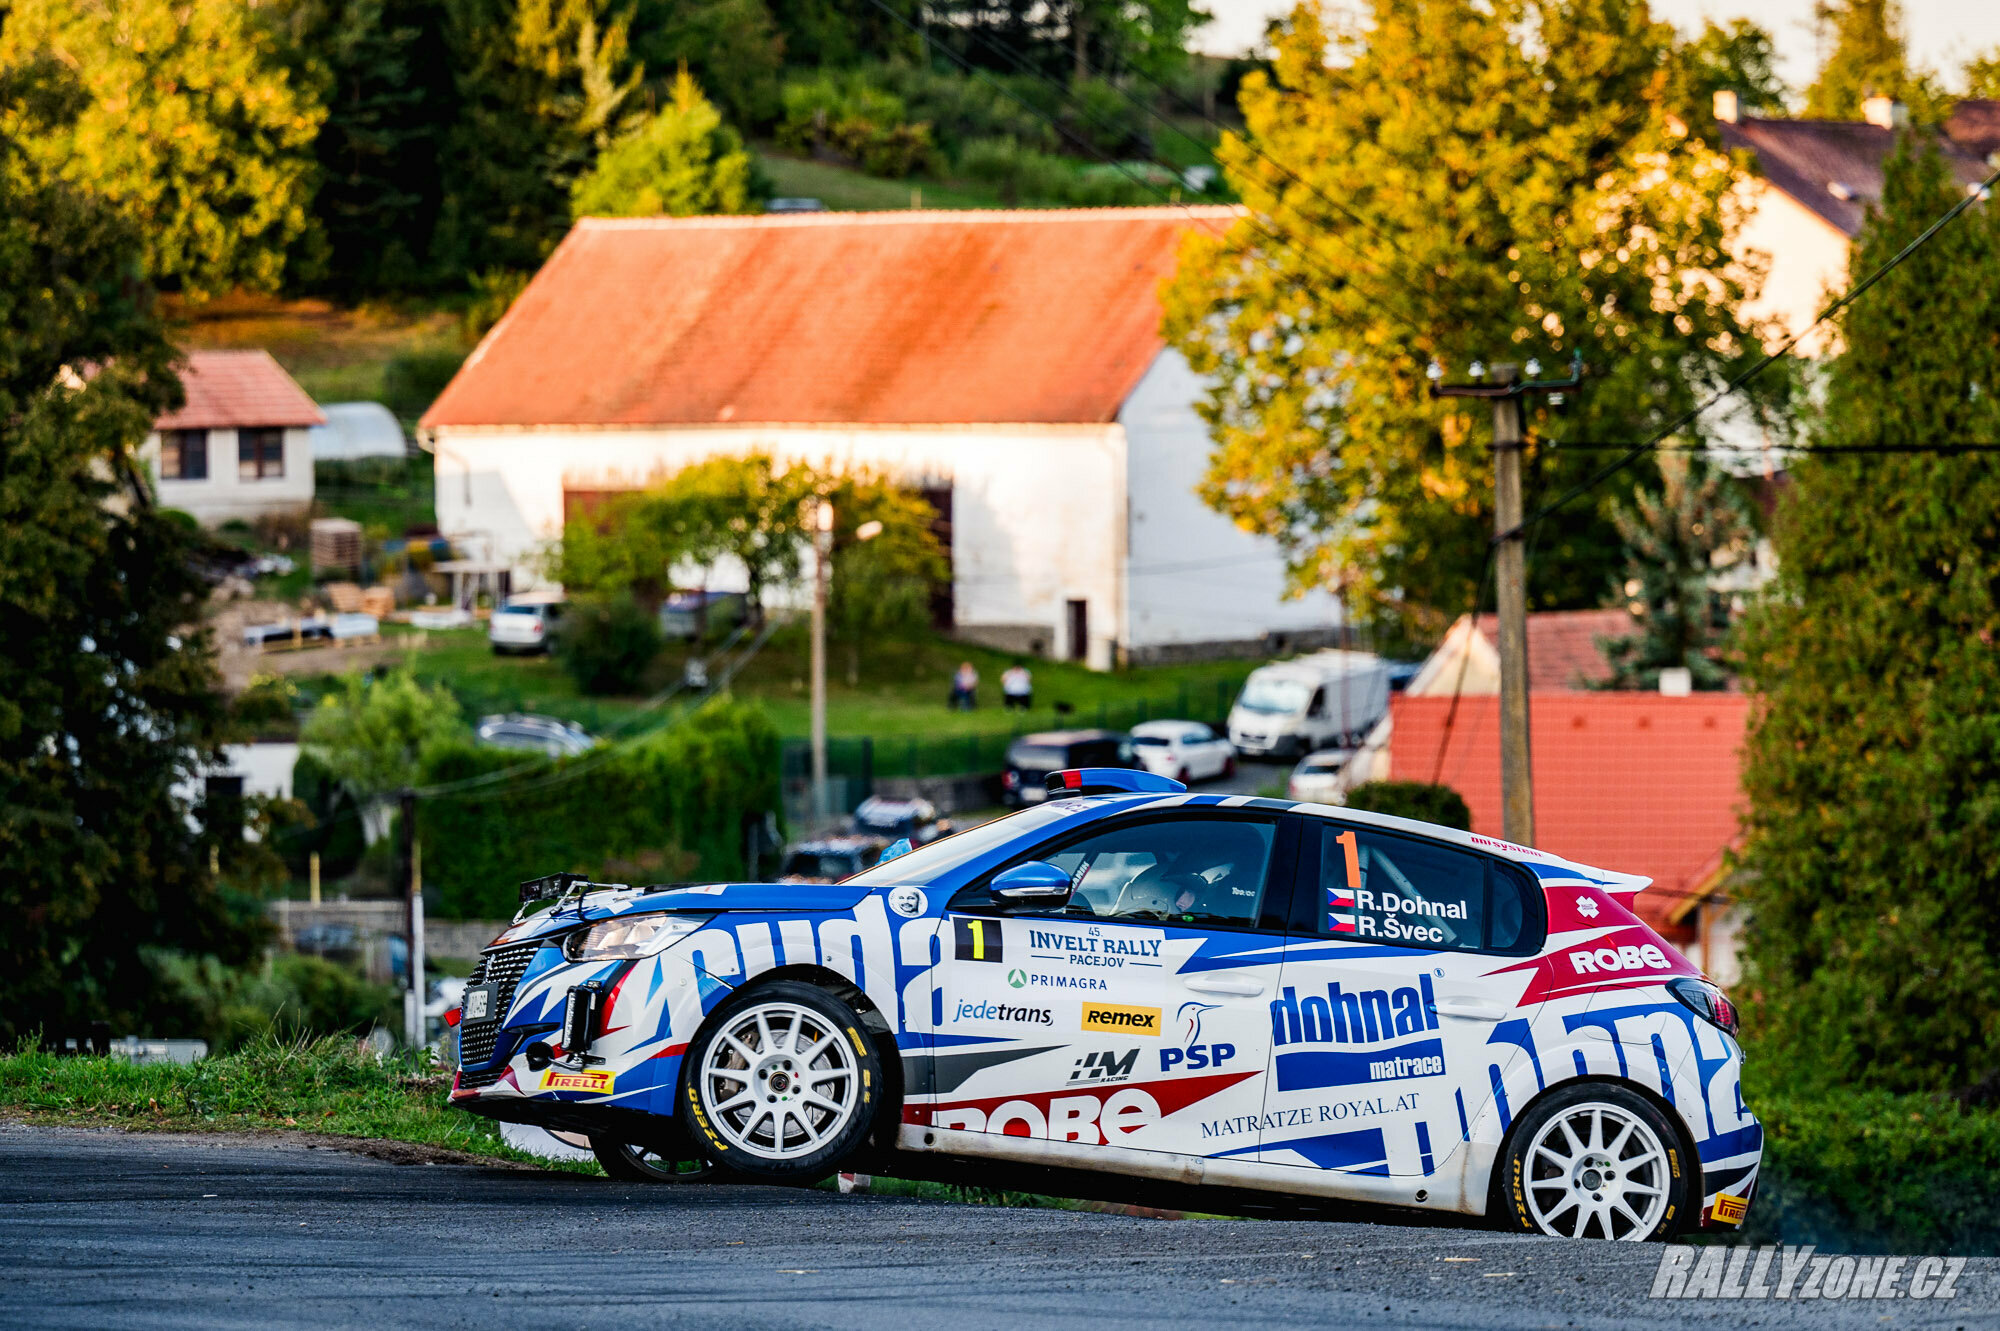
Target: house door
{"points": [[1079, 630]]}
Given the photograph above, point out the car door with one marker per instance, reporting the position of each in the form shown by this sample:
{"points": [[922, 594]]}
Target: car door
{"points": [[1136, 1016], [1211, 755], [1389, 1027]]}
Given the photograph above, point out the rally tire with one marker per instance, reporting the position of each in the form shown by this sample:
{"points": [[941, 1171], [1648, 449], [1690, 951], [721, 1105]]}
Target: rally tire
{"points": [[625, 1162], [782, 1083], [1599, 1161]]}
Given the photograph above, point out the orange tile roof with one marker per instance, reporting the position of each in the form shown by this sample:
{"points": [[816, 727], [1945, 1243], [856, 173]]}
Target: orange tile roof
{"points": [[912, 318], [228, 389], [1628, 781], [1562, 646]]}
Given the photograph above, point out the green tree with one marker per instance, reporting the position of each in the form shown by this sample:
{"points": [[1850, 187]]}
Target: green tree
{"points": [[1982, 76], [734, 48], [383, 72], [1676, 539], [678, 163], [886, 562], [543, 86], [109, 696], [371, 735], [1738, 57], [608, 642], [1873, 768], [190, 124], [1869, 59], [1482, 182]]}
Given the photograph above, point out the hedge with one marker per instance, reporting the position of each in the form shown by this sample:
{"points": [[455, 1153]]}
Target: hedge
{"points": [[673, 805], [1413, 799], [1873, 1171]]}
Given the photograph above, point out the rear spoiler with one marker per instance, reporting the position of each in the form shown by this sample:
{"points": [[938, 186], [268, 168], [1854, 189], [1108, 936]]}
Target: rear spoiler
{"points": [[1110, 781]]}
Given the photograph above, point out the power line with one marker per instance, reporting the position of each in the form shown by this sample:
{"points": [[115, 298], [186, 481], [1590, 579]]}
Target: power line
{"points": [[1953, 449], [1636, 451]]}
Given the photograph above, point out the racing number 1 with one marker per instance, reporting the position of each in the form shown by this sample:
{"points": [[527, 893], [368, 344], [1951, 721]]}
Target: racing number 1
{"points": [[1346, 842], [976, 940]]}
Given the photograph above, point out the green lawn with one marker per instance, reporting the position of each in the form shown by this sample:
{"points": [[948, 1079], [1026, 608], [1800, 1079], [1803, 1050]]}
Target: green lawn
{"points": [[844, 190], [899, 690]]}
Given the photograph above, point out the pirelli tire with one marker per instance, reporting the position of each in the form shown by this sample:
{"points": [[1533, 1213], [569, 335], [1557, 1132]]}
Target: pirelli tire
{"points": [[782, 1083], [628, 1162], [1596, 1160]]}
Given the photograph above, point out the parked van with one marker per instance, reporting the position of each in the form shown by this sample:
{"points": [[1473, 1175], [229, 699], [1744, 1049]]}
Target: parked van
{"points": [[1328, 700]]}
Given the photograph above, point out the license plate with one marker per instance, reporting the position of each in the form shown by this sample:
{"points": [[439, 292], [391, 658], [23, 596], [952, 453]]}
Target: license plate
{"points": [[1034, 794], [479, 1002]]}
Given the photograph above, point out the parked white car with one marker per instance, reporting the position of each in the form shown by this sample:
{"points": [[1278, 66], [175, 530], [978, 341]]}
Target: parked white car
{"points": [[526, 623], [1184, 750], [1316, 780]]}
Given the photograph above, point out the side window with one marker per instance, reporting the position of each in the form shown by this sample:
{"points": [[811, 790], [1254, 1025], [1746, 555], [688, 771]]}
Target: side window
{"points": [[1172, 871], [1318, 707], [1381, 888]]}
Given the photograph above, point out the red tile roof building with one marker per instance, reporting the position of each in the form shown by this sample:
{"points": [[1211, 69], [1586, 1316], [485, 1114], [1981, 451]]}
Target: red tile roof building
{"points": [[1008, 364], [910, 318], [1629, 781], [228, 390]]}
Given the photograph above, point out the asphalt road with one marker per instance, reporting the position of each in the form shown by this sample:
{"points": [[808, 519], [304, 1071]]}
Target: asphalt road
{"points": [[111, 1230]]}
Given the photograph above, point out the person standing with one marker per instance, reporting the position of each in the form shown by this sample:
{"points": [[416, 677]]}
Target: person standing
{"points": [[1017, 689], [964, 687]]}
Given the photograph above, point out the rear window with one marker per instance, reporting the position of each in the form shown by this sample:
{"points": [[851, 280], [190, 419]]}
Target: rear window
{"points": [[1320, 765], [516, 610], [1035, 757], [1377, 887], [1149, 741]]}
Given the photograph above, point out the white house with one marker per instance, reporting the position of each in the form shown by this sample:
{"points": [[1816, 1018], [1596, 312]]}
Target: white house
{"points": [[1009, 364], [1814, 182], [241, 446]]}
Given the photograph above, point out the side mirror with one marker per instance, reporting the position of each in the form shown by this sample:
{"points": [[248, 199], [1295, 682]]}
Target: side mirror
{"points": [[1036, 883]]}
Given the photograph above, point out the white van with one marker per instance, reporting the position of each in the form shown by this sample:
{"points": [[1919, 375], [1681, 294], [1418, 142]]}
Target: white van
{"points": [[1328, 700]]}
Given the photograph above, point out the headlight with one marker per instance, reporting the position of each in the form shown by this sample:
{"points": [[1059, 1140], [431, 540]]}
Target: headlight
{"points": [[631, 936]]}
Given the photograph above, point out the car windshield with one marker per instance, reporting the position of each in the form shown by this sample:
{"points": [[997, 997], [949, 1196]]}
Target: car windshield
{"points": [[1036, 758], [516, 610], [813, 864], [1274, 696], [960, 848], [1315, 766]]}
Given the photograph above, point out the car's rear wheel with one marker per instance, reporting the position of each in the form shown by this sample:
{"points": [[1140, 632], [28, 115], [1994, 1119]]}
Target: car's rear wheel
{"points": [[630, 1163], [781, 1083], [1595, 1161]]}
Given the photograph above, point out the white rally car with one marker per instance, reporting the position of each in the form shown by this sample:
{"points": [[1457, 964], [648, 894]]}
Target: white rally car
{"points": [[1129, 978]]}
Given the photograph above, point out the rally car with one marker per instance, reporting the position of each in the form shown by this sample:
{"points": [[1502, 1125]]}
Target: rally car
{"points": [[1213, 989]]}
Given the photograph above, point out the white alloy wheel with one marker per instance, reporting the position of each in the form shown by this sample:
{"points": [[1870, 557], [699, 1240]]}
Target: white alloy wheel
{"points": [[780, 1081], [1596, 1170]]}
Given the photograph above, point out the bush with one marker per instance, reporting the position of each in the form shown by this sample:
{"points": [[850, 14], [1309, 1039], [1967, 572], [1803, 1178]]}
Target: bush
{"points": [[413, 379], [1024, 174], [1872, 1171], [607, 642], [1413, 799], [692, 790], [959, 108], [292, 997], [849, 116]]}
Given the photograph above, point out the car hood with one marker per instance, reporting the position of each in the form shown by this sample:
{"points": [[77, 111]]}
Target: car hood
{"points": [[707, 899]]}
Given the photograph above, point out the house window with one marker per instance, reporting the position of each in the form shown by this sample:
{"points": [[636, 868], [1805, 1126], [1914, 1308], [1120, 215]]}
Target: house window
{"points": [[184, 455], [260, 454]]}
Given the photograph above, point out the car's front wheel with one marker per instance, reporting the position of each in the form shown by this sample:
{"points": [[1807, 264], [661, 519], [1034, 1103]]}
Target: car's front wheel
{"points": [[630, 1163], [782, 1083], [1596, 1161]]}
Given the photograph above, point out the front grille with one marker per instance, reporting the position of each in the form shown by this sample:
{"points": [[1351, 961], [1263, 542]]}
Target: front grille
{"points": [[476, 1040]]}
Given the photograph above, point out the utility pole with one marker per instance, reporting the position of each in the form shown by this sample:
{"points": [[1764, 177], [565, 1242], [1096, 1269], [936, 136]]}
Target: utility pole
{"points": [[412, 865], [822, 557], [1510, 566]]}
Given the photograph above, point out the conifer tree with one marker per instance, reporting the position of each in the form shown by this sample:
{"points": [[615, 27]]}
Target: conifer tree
{"points": [[1869, 59], [679, 163], [1872, 774]]}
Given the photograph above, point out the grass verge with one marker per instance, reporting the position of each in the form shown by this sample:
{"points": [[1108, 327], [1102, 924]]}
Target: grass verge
{"points": [[329, 1086]]}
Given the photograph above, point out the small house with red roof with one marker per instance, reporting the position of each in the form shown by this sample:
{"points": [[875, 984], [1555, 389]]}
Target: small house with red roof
{"points": [[1641, 783], [240, 446], [1007, 364]]}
